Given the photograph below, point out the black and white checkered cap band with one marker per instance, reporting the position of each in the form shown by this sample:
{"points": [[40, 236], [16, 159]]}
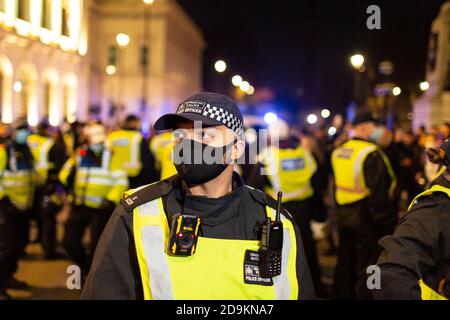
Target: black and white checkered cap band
{"points": [[228, 119], [217, 113]]}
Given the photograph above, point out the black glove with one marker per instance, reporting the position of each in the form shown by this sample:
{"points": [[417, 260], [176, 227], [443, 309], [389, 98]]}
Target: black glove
{"points": [[107, 206]]}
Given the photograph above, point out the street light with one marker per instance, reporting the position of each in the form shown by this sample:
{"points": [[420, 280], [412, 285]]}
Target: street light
{"points": [[325, 113], [424, 86], [220, 66], [122, 39], [18, 86], [396, 91], [236, 80], [357, 61], [110, 70], [251, 90], [245, 86], [311, 119], [332, 131]]}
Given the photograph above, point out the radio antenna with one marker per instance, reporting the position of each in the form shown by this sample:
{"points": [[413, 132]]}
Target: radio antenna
{"points": [[278, 215]]}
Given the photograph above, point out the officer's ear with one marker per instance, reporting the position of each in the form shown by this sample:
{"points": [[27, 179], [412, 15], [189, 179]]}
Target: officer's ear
{"points": [[238, 149]]}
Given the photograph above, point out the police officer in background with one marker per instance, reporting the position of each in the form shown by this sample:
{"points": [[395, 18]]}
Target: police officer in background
{"points": [[364, 185], [161, 146], [96, 189], [49, 156], [130, 152], [17, 179], [293, 169], [415, 262], [133, 260]]}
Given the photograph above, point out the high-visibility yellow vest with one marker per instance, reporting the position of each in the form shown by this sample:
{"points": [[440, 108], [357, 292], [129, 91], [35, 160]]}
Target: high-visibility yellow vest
{"points": [[214, 272], [40, 148], [69, 142], [17, 180], [290, 171], [348, 166], [427, 292], [93, 184], [162, 147], [125, 147]]}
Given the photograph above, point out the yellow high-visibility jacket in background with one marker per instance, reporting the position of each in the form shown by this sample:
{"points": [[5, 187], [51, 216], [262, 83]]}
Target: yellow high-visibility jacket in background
{"points": [[94, 182], [289, 170], [161, 146], [17, 179], [40, 148], [125, 148], [348, 166]]}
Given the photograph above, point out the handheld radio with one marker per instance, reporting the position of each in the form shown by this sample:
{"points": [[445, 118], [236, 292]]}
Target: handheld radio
{"points": [[271, 244]]}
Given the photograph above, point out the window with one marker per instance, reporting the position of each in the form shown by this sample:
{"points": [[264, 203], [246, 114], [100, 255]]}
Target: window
{"points": [[46, 20], [23, 10], [2, 5], [47, 95], [65, 31], [24, 99]]}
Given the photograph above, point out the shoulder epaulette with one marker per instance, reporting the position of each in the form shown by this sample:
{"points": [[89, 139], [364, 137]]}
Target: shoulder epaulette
{"points": [[133, 199]]}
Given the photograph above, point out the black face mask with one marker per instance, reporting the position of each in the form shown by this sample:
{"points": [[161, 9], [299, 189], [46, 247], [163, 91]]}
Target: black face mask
{"points": [[198, 163]]}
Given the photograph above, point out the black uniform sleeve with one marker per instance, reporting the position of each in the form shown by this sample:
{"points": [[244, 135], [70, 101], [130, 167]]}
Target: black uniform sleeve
{"points": [[114, 273], [378, 180], [415, 248]]}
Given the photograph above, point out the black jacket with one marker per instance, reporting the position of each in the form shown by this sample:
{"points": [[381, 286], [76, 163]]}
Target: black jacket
{"points": [[419, 248], [115, 272]]}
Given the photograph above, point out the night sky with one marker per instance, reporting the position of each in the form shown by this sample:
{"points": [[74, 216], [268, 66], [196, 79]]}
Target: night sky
{"points": [[306, 44]]}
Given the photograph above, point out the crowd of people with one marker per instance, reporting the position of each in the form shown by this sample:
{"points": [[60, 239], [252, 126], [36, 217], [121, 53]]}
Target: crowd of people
{"points": [[88, 167]]}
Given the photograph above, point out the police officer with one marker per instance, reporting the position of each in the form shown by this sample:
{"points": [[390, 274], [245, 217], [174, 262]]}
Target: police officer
{"points": [[130, 152], [415, 262], [49, 156], [17, 180], [364, 185], [161, 146], [292, 169], [132, 261], [96, 188]]}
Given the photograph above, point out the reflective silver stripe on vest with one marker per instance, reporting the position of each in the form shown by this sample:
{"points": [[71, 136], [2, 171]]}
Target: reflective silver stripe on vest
{"points": [[281, 283], [149, 209], [155, 256], [158, 268], [359, 163]]}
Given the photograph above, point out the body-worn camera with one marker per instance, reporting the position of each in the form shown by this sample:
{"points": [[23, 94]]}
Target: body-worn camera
{"points": [[271, 245], [183, 235]]}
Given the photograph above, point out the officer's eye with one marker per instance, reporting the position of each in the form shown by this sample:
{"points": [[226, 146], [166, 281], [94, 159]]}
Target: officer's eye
{"points": [[178, 136], [207, 135]]}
